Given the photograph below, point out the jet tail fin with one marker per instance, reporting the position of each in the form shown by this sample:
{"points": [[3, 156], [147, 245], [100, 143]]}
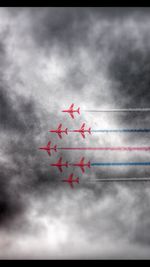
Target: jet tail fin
{"points": [[77, 180], [55, 148], [89, 130], [89, 164], [78, 110], [66, 131]]}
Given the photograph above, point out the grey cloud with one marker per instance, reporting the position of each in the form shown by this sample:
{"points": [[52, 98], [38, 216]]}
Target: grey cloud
{"points": [[95, 211]]}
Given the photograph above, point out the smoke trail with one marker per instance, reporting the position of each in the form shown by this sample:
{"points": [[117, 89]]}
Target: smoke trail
{"points": [[120, 164], [121, 148], [121, 180], [119, 110], [120, 130]]}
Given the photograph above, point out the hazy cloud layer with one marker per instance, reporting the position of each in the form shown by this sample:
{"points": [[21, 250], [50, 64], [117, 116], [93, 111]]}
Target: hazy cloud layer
{"points": [[50, 58]]}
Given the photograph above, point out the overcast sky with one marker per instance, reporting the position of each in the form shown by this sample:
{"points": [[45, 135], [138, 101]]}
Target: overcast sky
{"points": [[49, 59]]}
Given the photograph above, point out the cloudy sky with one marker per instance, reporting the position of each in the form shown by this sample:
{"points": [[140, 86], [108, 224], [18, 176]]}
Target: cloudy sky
{"points": [[50, 58]]}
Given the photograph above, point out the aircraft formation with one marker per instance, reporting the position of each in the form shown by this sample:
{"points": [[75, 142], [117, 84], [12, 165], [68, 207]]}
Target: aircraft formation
{"points": [[82, 164], [71, 180]]}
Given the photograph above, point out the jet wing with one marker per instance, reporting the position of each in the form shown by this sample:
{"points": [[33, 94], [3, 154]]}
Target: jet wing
{"points": [[82, 168], [49, 153], [48, 145], [59, 134], [82, 161], [71, 114], [71, 107], [60, 168], [83, 135], [59, 127], [71, 176], [60, 160], [83, 125]]}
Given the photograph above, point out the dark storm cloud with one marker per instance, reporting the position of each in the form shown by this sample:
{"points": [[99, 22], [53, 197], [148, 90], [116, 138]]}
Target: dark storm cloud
{"points": [[10, 202], [59, 27], [69, 27], [11, 117], [12, 205], [141, 233], [12, 122], [26, 172], [21, 123], [129, 68]]}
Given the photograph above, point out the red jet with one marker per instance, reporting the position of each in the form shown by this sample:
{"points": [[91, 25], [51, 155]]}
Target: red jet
{"points": [[70, 180], [82, 130], [59, 131], [48, 148], [59, 164], [81, 165], [71, 111]]}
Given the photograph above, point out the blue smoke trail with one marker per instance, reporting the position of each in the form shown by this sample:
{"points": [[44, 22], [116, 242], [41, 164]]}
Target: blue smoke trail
{"points": [[121, 164]]}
